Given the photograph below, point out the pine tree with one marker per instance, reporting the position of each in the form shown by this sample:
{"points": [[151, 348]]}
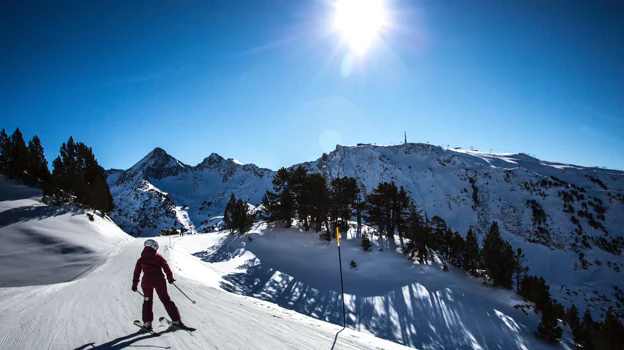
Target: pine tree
{"points": [[343, 200], [237, 216], [541, 294], [319, 196], [366, 244], [281, 206], [94, 192], [438, 231], [586, 334], [242, 217], [507, 266], [99, 195], [287, 207], [417, 233], [536, 290], [520, 269], [389, 191], [572, 318], [472, 253], [300, 196], [548, 328], [266, 208], [400, 212], [611, 333], [373, 210], [560, 311], [65, 175], [359, 205], [498, 258], [457, 249], [5, 152], [379, 208], [446, 244], [18, 161], [78, 177], [228, 214], [38, 172], [57, 191]]}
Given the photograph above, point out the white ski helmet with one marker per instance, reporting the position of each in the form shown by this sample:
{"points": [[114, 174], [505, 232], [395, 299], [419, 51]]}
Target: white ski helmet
{"points": [[152, 244]]}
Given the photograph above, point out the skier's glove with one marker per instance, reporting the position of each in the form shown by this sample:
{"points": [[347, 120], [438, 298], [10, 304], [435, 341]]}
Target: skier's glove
{"points": [[171, 281], [134, 289]]}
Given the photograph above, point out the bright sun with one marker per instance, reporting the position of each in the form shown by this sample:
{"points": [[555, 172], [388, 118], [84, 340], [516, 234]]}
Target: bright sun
{"points": [[360, 22]]}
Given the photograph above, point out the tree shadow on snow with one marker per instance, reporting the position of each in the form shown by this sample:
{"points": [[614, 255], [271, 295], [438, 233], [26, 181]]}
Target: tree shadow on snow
{"points": [[441, 310], [47, 259], [126, 341], [230, 247], [11, 190], [26, 213]]}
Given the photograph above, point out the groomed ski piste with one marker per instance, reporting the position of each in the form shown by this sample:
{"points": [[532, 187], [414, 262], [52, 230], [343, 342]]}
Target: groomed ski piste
{"points": [[66, 285]]}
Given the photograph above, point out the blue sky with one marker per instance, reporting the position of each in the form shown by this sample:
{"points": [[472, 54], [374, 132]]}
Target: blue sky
{"points": [[271, 82]]}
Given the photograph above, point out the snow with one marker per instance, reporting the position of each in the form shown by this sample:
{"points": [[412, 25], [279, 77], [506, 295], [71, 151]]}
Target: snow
{"points": [[387, 296], [51, 244], [96, 308]]}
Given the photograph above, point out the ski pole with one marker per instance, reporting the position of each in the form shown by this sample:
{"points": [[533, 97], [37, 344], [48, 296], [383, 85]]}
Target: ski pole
{"points": [[193, 301], [140, 293]]}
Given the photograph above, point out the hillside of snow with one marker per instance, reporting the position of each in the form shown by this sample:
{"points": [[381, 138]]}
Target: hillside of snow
{"points": [[569, 220], [91, 305], [386, 295], [42, 244]]}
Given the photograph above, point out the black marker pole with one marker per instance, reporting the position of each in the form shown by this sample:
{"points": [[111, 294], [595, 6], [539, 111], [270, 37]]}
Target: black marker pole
{"points": [[344, 315]]}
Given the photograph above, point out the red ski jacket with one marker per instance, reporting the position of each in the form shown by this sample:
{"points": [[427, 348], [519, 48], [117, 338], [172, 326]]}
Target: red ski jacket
{"points": [[152, 264]]}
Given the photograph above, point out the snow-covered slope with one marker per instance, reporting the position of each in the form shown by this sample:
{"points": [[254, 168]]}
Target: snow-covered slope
{"points": [[386, 295], [94, 309], [42, 244], [97, 311], [554, 212]]}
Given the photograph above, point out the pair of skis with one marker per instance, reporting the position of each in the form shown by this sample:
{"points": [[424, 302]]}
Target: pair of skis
{"points": [[163, 319]]}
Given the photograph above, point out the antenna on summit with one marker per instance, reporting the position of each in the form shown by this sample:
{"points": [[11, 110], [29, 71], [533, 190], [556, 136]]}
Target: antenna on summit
{"points": [[405, 134]]}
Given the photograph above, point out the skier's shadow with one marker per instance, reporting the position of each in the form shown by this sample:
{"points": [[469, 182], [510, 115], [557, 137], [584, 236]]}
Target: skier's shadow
{"points": [[126, 341]]}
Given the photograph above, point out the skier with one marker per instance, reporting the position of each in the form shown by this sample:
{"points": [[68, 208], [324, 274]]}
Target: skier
{"points": [[152, 264]]}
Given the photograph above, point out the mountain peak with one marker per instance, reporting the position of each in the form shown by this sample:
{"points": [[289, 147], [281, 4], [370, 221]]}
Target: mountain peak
{"points": [[158, 164], [211, 160], [214, 157], [158, 151]]}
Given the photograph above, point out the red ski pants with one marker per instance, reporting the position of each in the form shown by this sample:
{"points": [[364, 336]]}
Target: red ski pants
{"points": [[148, 302]]}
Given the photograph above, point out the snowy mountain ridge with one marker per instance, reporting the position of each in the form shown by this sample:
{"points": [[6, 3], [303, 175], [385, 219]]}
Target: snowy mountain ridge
{"points": [[161, 192], [568, 219]]}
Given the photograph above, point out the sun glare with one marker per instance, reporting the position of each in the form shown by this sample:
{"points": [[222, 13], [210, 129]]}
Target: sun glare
{"points": [[359, 22]]}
